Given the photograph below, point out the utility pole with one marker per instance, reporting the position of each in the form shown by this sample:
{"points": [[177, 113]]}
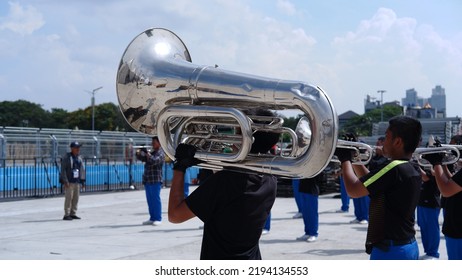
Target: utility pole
{"points": [[93, 106], [381, 103]]}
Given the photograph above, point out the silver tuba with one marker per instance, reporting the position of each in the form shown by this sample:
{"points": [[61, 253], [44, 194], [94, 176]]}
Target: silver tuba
{"points": [[160, 92]]}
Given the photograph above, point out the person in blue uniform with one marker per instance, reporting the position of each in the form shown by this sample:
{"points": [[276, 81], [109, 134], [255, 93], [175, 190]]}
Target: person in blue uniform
{"points": [[309, 194], [394, 190], [450, 187], [428, 212]]}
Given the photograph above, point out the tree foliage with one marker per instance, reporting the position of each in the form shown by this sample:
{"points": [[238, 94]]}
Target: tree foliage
{"points": [[23, 113], [362, 125]]}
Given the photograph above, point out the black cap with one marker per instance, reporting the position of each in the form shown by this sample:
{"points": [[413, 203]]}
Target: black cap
{"points": [[75, 144]]}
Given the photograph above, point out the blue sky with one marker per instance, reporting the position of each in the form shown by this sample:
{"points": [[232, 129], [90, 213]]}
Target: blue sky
{"points": [[53, 52]]}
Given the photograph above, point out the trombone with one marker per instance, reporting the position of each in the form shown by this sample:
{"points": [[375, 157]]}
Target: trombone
{"points": [[451, 154], [362, 153]]}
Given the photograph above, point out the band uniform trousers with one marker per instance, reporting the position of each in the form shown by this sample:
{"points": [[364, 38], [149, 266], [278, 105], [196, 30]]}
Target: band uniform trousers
{"points": [[361, 205], [397, 252], [153, 199], [427, 219], [454, 248], [71, 198]]}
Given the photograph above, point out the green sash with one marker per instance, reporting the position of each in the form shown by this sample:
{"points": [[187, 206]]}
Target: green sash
{"points": [[383, 171]]}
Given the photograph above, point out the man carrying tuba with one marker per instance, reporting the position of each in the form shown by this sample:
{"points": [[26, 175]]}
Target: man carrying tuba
{"points": [[233, 206]]}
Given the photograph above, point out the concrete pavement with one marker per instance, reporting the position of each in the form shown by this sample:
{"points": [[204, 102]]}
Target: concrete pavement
{"points": [[111, 229]]}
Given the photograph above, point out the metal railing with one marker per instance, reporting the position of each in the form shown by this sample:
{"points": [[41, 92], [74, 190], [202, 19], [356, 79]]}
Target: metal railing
{"points": [[39, 177]]}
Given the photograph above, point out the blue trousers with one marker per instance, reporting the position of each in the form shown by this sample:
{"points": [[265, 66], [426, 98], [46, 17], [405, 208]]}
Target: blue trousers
{"points": [[399, 252], [153, 199], [295, 186], [427, 219], [186, 189], [344, 196], [309, 204], [267, 225], [454, 248], [362, 207]]}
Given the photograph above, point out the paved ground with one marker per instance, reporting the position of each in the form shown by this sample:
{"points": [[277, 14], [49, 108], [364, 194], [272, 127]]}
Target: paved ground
{"points": [[111, 229]]}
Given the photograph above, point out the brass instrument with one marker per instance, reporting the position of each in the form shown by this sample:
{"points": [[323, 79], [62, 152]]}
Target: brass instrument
{"points": [[451, 155], [160, 92], [141, 152], [362, 155]]}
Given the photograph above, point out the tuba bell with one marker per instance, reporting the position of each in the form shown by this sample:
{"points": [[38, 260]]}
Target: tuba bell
{"points": [[161, 92]]}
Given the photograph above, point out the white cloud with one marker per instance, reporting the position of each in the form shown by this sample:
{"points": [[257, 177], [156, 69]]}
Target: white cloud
{"points": [[81, 44], [391, 52], [286, 7], [22, 20]]}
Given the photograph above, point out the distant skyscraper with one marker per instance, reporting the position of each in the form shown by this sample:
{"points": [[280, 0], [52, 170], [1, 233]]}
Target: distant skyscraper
{"points": [[412, 100], [438, 101]]}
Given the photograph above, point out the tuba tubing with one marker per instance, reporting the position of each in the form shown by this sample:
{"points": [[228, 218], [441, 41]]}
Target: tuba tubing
{"points": [[159, 90]]}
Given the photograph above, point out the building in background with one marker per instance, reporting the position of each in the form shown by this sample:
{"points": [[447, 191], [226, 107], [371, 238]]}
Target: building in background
{"points": [[432, 107]]}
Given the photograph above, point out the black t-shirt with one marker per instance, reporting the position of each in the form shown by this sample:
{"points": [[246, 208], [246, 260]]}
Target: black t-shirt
{"points": [[234, 207], [430, 195], [394, 197], [452, 224], [376, 162], [310, 185]]}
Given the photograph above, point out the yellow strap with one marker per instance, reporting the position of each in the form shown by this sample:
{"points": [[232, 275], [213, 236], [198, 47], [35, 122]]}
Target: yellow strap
{"points": [[382, 172]]}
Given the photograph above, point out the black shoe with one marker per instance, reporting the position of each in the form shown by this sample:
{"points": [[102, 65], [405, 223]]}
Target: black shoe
{"points": [[74, 217], [67, 218]]}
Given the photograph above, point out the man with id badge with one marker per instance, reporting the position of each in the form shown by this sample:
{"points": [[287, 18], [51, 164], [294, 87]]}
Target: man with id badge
{"points": [[72, 177]]}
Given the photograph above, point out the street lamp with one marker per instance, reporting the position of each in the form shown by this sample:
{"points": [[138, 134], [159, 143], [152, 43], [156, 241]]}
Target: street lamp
{"points": [[93, 106], [381, 103]]}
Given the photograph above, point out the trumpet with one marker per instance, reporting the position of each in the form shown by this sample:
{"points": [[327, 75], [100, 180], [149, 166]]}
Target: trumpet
{"points": [[451, 155], [362, 153], [161, 92], [141, 152]]}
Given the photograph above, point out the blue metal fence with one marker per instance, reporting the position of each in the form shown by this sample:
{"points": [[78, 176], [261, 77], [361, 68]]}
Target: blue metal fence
{"points": [[40, 177]]}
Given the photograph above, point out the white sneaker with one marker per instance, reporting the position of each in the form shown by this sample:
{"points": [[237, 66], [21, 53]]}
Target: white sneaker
{"points": [[312, 238], [156, 223], [264, 232], [363, 222], [303, 237], [297, 216], [427, 257], [148, 222]]}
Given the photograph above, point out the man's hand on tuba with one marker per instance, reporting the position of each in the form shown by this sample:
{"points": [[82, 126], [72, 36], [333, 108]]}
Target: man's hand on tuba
{"points": [[184, 157]]}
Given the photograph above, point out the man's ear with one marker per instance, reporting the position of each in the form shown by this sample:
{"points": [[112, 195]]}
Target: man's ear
{"points": [[398, 141]]}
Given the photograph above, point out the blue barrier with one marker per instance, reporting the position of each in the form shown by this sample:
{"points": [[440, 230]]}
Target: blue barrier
{"points": [[42, 178]]}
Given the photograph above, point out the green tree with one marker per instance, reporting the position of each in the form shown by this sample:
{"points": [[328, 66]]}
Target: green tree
{"points": [[109, 117], [23, 113], [362, 124], [58, 118]]}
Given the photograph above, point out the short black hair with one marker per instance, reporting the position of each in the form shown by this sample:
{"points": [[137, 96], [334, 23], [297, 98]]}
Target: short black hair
{"points": [[155, 138], [408, 129], [456, 140]]}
